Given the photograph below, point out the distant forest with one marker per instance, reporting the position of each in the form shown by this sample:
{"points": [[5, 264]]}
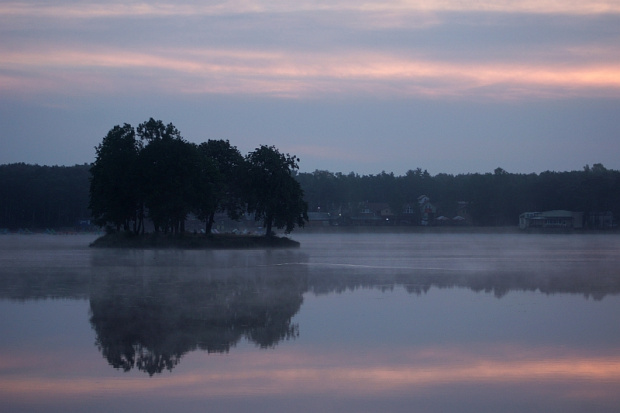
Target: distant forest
{"points": [[38, 197]]}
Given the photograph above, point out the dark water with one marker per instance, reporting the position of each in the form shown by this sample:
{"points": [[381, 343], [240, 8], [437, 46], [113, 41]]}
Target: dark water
{"points": [[346, 323]]}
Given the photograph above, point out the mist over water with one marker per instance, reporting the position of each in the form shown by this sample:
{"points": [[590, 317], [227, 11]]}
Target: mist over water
{"points": [[347, 322]]}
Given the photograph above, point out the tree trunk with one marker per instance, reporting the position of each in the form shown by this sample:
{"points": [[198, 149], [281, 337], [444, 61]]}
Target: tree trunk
{"points": [[209, 225], [268, 224], [141, 218]]}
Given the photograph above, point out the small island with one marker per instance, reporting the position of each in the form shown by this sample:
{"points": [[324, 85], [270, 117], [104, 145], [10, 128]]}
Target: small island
{"points": [[192, 241], [150, 176]]}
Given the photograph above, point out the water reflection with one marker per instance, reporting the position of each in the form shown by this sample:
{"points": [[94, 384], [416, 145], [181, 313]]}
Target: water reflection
{"points": [[380, 323], [330, 265], [325, 279], [593, 282], [148, 316], [490, 263]]}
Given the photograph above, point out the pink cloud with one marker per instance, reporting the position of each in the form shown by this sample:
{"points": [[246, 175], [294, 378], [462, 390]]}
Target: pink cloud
{"points": [[92, 10], [296, 75]]}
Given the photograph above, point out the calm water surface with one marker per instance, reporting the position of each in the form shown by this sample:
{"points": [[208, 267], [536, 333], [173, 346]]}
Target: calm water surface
{"points": [[346, 323]]}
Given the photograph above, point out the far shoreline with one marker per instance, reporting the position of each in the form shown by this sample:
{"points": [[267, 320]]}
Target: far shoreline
{"points": [[395, 229], [223, 240], [406, 229]]}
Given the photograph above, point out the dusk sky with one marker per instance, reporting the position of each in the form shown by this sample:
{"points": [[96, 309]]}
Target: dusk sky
{"points": [[365, 86]]}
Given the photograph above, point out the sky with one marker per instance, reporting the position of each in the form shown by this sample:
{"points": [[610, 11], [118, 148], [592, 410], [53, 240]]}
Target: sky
{"points": [[346, 85]]}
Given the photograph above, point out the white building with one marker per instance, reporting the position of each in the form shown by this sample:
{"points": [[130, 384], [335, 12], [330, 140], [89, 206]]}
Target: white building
{"points": [[551, 219]]}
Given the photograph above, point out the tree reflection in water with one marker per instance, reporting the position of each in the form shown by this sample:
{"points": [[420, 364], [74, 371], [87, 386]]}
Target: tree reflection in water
{"points": [[148, 318], [149, 308], [446, 350]]}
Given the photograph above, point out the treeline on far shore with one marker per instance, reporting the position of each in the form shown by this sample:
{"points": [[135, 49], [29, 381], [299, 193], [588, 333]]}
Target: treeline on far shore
{"points": [[38, 197]]}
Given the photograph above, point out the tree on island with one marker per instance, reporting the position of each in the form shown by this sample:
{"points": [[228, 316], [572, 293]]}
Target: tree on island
{"points": [[114, 196], [226, 194], [167, 177], [173, 174], [273, 193]]}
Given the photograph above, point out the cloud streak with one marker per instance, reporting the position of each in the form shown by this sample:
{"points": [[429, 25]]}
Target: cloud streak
{"points": [[352, 59], [79, 10], [176, 57], [306, 75]]}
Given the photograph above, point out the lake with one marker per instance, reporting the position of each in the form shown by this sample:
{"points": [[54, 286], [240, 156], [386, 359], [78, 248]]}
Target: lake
{"points": [[346, 323]]}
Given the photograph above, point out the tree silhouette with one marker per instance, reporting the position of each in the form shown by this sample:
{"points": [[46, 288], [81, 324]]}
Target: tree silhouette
{"points": [[273, 194], [114, 184], [225, 190], [172, 170]]}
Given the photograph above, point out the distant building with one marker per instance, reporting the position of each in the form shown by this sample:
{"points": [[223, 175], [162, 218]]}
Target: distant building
{"points": [[320, 219], [382, 210], [551, 219], [372, 214], [427, 210], [462, 214]]}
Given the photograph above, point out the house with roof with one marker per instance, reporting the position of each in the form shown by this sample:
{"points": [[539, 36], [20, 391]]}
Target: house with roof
{"points": [[558, 219], [427, 210], [320, 219], [373, 213]]}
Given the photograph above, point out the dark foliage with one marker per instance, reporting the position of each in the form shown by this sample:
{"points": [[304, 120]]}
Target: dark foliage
{"points": [[115, 198], [273, 194], [33, 196], [492, 198], [223, 193], [37, 197], [167, 178]]}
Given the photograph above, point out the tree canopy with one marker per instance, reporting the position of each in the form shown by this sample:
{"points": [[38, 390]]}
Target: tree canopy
{"points": [[225, 187], [35, 196], [114, 198], [493, 199], [273, 194], [130, 182], [165, 178]]}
